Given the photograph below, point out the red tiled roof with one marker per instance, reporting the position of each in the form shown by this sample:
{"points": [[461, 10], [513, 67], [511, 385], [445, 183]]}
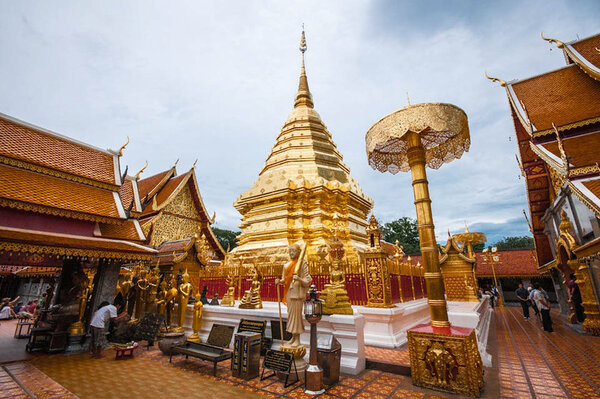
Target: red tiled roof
{"points": [[46, 191], [510, 264], [52, 243], [124, 231], [126, 193], [582, 150], [587, 48], [168, 247], [33, 145], [593, 186], [148, 184], [561, 97]]}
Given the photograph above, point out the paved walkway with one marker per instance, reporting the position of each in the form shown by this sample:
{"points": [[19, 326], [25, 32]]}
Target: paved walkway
{"points": [[528, 363]]}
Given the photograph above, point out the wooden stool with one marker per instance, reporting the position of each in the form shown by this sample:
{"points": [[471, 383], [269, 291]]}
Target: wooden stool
{"points": [[19, 329], [125, 353]]}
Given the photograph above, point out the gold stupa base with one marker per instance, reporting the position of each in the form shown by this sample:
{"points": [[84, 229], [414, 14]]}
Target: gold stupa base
{"points": [[77, 328], [336, 301], [297, 351], [445, 359]]}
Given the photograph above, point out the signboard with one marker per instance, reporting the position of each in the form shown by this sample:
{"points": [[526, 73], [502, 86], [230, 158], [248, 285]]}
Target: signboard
{"points": [[279, 362]]}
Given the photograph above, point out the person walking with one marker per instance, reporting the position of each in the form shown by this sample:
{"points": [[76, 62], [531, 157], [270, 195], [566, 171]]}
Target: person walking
{"points": [[105, 313], [523, 297], [543, 303], [532, 301]]}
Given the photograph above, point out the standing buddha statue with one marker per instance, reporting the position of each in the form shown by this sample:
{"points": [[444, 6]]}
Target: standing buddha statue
{"points": [[140, 291], [161, 298], [153, 280], [196, 320], [183, 295]]}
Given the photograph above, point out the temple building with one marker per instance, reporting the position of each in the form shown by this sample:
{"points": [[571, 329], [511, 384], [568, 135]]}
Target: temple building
{"points": [[557, 124], [61, 207], [302, 186]]}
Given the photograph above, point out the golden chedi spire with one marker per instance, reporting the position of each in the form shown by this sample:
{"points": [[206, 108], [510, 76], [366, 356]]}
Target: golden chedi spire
{"points": [[303, 97], [303, 184]]}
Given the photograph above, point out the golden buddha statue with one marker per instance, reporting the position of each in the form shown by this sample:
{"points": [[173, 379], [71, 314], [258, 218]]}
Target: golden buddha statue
{"points": [[229, 297], [251, 299], [124, 287], [196, 320], [334, 295], [140, 298], [77, 328], [183, 295], [153, 280], [161, 298]]}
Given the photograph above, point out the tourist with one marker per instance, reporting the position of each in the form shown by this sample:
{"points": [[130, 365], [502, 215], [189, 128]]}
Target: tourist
{"points": [[523, 297], [543, 303], [533, 305], [575, 298], [6, 308], [18, 307], [105, 313]]}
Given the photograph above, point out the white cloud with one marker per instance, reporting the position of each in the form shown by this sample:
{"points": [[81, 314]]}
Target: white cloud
{"points": [[215, 81]]}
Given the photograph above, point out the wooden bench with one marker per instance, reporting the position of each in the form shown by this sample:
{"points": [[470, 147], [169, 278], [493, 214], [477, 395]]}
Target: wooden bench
{"points": [[214, 350]]}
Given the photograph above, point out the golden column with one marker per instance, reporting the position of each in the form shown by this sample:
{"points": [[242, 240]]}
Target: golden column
{"points": [[441, 356]]}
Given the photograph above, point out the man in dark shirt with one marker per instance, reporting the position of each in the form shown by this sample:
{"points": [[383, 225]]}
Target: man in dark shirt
{"points": [[523, 297], [575, 298]]}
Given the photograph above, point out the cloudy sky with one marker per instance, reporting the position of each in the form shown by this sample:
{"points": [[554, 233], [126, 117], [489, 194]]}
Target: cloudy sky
{"points": [[215, 81]]}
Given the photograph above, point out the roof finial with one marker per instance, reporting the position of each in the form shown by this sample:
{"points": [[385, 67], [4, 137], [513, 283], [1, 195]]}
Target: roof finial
{"points": [[502, 82], [194, 164], [123, 147], [558, 43], [466, 227], [303, 97], [407, 99], [175, 164], [137, 175]]}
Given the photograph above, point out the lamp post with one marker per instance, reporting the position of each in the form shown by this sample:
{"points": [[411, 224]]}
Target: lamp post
{"points": [[313, 311], [493, 259]]}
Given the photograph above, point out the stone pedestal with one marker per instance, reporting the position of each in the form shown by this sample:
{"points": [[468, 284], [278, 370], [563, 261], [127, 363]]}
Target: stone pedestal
{"points": [[445, 359], [77, 343]]}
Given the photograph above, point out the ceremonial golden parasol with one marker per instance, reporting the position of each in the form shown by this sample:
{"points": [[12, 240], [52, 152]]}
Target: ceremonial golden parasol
{"points": [[469, 238], [409, 139]]}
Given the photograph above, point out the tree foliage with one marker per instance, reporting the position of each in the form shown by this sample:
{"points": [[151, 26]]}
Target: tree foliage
{"points": [[406, 232], [227, 238], [508, 243]]}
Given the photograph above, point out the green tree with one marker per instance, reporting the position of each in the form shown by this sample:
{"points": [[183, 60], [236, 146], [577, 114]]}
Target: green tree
{"points": [[227, 238], [508, 243], [406, 232]]}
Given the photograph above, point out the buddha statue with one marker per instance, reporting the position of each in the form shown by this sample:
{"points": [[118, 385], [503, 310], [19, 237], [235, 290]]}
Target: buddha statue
{"points": [[251, 299], [183, 295], [140, 294], [77, 328], [229, 297], [150, 299], [123, 289], [196, 320], [161, 298]]}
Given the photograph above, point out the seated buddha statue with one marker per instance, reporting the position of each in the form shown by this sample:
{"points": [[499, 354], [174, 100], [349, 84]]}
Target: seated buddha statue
{"points": [[334, 295], [251, 298]]}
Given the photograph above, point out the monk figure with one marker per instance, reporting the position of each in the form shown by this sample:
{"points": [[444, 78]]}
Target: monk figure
{"points": [[229, 297], [251, 298], [183, 295], [296, 281]]}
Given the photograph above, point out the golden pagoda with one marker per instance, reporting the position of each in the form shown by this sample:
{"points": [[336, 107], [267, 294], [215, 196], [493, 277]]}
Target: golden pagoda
{"points": [[302, 185]]}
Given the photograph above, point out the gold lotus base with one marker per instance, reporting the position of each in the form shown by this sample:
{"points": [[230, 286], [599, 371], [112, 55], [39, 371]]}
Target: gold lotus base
{"points": [[297, 351], [194, 338], [77, 328], [445, 359], [176, 329]]}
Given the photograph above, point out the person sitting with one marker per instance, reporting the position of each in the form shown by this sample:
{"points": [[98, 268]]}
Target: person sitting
{"points": [[6, 308], [18, 307]]}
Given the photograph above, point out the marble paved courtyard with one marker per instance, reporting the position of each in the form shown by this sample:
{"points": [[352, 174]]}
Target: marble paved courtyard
{"points": [[528, 363]]}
